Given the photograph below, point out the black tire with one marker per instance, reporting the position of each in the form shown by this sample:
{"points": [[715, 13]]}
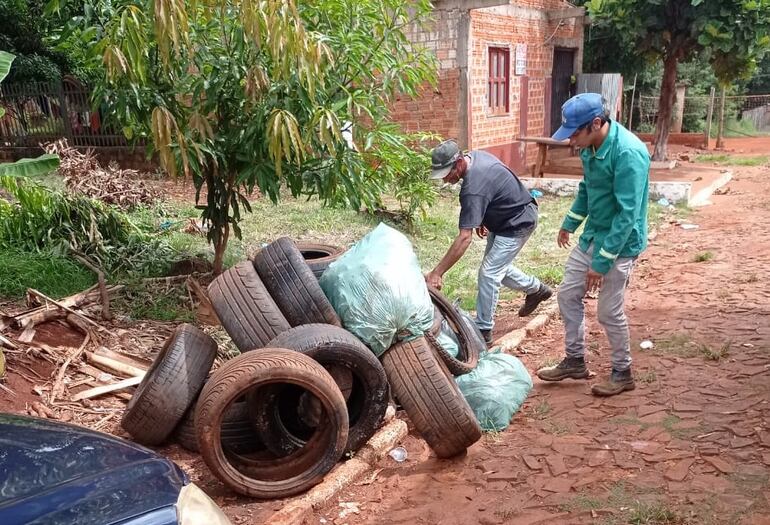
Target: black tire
{"points": [[292, 284], [238, 433], [270, 478], [429, 395], [468, 354], [170, 386], [245, 307], [330, 346], [319, 256]]}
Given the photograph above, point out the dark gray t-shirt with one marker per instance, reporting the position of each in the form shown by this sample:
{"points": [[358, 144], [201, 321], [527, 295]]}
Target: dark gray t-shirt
{"points": [[492, 195]]}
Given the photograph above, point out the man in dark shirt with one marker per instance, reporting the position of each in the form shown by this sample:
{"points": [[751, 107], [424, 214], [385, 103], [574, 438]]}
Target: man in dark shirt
{"points": [[494, 203]]}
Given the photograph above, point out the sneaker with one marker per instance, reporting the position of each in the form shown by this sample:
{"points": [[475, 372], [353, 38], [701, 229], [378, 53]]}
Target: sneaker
{"points": [[618, 382], [569, 368], [532, 300], [487, 335]]}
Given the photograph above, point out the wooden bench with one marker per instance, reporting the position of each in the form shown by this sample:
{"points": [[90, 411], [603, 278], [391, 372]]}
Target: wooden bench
{"points": [[543, 143]]}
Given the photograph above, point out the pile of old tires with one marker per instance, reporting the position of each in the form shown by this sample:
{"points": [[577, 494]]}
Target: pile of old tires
{"points": [[304, 391]]}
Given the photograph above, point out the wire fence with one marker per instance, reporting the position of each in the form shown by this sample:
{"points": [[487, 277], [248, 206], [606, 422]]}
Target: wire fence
{"points": [[744, 115], [40, 112]]}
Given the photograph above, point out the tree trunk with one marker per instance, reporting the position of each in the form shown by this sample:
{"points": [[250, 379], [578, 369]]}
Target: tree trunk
{"points": [[219, 249], [665, 105]]}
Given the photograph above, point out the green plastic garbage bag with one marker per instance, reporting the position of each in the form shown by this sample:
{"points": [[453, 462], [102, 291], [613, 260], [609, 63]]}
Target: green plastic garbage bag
{"points": [[378, 290], [495, 389], [448, 339]]}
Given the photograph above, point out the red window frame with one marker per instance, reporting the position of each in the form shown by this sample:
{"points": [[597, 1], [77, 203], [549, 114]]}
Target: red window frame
{"points": [[499, 79]]}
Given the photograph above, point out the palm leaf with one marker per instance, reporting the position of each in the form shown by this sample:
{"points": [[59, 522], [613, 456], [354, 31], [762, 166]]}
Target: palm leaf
{"points": [[5, 64], [26, 168]]}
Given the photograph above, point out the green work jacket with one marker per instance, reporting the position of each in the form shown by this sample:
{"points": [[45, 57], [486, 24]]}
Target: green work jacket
{"points": [[612, 198]]}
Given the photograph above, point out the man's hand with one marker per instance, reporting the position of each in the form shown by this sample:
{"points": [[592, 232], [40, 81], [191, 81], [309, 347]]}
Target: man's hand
{"points": [[435, 280], [593, 281], [482, 232], [562, 239]]}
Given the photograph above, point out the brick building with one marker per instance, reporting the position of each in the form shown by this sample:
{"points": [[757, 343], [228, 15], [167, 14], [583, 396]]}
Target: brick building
{"points": [[505, 70]]}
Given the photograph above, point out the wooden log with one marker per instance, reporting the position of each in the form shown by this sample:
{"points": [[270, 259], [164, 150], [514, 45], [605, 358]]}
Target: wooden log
{"points": [[114, 365], [8, 343], [125, 359], [27, 335], [38, 316], [58, 385], [71, 300], [66, 308], [42, 314], [106, 389]]}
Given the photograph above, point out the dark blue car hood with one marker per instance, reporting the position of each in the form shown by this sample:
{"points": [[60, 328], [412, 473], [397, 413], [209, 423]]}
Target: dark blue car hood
{"points": [[56, 473]]}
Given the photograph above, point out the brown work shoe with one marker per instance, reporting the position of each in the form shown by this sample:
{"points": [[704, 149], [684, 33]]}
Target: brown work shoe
{"points": [[487, 335], [532, 300], [569, 368], [618, 382]]}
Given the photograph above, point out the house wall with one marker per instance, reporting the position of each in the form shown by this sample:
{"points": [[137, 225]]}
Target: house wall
{"points": [[440, 109], [521, 22], [457, 107]]}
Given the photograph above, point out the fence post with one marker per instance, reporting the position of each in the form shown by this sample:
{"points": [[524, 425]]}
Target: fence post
{"points": [[676, 126], [721, 125], [65, 114], [709, 116], [631, 105]]}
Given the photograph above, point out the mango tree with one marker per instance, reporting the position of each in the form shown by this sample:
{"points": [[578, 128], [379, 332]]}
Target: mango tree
{"points": [[245, 94], [734, 35]]}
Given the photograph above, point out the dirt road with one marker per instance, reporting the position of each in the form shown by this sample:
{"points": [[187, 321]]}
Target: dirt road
{"points": [[690, 445]]}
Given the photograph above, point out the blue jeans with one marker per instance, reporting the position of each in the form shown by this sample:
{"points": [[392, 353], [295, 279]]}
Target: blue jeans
{"points": [[610, 308], [496, 269]]}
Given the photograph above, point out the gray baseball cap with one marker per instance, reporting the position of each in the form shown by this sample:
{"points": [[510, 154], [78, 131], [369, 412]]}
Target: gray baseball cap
{"points": [[443, 157]]}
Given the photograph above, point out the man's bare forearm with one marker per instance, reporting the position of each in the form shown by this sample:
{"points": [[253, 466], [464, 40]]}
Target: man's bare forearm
{"points": [[453, 254]]}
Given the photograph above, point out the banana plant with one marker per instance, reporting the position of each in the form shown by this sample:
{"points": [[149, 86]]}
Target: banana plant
{"points": [[24, 168]]}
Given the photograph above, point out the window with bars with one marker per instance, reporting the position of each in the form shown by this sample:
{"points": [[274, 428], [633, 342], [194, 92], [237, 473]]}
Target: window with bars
{"points": [[499, 71]]}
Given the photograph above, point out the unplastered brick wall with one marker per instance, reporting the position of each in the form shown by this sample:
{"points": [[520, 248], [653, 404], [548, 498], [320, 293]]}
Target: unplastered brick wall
{"points": [[521, 22], [437, 109]]}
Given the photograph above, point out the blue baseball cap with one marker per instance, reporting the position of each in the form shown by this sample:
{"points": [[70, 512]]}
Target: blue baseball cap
{"points": [[578, 111]]}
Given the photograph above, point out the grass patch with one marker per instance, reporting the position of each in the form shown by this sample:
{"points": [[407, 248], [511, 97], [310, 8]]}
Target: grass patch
{"points": [[49, 273], [703, 257], [541, 410], [653, 514], [648, 376], [715, 354], [679, 344], [733, 160], [627, 420], [557, 428]]}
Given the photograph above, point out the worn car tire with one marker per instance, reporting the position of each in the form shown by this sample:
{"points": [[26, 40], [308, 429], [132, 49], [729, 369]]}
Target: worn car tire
{"points": [[245, 308], [319, 256], [330, 346], [434, 404], [270, 478], [292, 284], [238, 434], [468, 354], [170, 386]]}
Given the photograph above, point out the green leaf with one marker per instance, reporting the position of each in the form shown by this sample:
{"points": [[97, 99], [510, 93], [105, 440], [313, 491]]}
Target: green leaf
{"points": [[27, 168], [5, 64]]}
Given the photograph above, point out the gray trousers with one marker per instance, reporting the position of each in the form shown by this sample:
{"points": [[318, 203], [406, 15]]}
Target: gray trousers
{"points": [[610, 310]]}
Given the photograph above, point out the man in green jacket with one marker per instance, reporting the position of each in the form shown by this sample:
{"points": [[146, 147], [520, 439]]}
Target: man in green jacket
{"points": [[612, 201]]}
